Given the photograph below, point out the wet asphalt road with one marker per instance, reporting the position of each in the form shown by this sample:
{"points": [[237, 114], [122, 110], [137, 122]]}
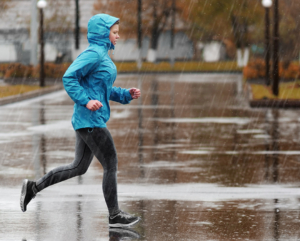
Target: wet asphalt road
{"points": [[195, 162]]}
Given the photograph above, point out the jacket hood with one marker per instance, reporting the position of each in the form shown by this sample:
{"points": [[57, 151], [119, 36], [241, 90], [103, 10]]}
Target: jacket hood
{"points": [[99, 29]]}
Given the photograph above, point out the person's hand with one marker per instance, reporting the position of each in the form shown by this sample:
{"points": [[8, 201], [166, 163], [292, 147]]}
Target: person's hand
{"points": [[135, 93], [94, 105]]}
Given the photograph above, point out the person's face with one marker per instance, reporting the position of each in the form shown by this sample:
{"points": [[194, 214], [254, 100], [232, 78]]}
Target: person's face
{"points": [[114, 34]]}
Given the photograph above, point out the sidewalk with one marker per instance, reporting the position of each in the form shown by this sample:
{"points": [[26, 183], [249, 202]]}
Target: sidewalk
{"points": [[259, 95], [195, 162], [29, 95]]}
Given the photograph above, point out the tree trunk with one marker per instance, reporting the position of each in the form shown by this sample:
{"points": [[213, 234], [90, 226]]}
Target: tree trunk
{"points": [[151, 55], [239, 56], [246, 56], [242, 57], [139, 33], [240, 37]]}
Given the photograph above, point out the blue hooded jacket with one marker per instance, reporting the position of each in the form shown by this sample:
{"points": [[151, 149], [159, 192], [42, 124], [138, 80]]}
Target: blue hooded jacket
{"points": [[92, 75]]}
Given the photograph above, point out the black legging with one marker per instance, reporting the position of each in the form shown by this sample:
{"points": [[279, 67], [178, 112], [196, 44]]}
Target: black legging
{"points": [[90, 142]]}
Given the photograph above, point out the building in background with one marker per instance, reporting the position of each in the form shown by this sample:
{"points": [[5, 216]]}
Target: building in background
{"points": [[60, 46], [213, 51]]}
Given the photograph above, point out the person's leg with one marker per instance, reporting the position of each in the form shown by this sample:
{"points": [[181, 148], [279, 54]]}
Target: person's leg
{"points": [[102, 145], [82, 161], [83, 158]]}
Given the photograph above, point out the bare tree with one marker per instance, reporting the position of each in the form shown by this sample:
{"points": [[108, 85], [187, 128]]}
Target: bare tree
{"points": [[155, 16], [4, 5], [223, 21], [58, 17]]}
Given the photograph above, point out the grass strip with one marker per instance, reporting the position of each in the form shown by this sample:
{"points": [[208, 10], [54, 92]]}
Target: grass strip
{"points": [[289, 90], [191, 66], [10, 90]]}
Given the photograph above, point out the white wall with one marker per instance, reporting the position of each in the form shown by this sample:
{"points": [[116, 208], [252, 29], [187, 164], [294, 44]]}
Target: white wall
{"points": [[8, 52], [82, 46], [212, 52], [50, 52], [125, 50]]}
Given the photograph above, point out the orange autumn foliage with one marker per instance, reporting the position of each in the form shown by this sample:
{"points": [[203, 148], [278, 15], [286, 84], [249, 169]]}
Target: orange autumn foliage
{"points": [[18, 70], [257, 69]]}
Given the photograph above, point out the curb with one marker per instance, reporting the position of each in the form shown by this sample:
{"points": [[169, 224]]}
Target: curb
{"points": [[275, 103], [29, 95], [271, 103]]}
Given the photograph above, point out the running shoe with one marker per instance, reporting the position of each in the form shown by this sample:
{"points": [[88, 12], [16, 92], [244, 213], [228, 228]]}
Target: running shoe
{"points": [[122, 219], [27, 193]]}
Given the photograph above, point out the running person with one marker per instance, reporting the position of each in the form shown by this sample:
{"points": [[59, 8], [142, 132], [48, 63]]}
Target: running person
{"points": [[88, 81]]}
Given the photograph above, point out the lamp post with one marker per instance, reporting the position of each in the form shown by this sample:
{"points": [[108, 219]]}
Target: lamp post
{"points": [[41, 4], [276, 49], [77, 27], [172, 59], [267, 4], [33, 34], [139, 33]]}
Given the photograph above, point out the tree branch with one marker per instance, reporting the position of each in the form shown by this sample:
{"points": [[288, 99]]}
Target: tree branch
{"points": [[164, 15]]}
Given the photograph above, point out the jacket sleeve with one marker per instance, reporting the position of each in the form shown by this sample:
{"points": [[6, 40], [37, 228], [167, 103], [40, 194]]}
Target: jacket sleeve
{"points": [[85, 63], [120, 95]]}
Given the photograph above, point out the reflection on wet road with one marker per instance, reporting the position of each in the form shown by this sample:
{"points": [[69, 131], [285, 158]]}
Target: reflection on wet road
{"points": [[195, 162]]}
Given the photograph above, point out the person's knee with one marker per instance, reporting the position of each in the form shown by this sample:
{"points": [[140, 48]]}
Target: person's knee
{"points": [[111, 164], [81, 171], [111, 169], [77, 170], [83, 166]]}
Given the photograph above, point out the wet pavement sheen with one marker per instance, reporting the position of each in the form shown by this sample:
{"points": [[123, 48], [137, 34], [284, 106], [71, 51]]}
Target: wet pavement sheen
{"points": [[195, 162]]}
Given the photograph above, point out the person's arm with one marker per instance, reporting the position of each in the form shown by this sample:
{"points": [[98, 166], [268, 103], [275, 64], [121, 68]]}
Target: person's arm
{"points": [[81, 67], [124, 96], [120, 95]]}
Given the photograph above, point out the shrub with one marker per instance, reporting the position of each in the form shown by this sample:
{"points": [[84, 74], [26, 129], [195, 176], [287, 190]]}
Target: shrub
{"points": [[256, 69], [20, 71], [16, 70], [292, 72], [57, 70]]}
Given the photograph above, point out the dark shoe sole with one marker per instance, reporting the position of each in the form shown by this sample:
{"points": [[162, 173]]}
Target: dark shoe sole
{"points": [[121, 225], [23, 195]]}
